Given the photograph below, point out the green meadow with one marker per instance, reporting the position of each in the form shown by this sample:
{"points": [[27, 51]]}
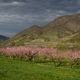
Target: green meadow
{"points": [[16, 69]]}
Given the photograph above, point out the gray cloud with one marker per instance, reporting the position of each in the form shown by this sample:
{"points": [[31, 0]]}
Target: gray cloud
{"points": [[15, 3], [16, 15]]}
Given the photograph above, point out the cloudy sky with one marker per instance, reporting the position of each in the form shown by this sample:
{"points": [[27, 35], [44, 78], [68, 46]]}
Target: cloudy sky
{"points": [[16, 15]]}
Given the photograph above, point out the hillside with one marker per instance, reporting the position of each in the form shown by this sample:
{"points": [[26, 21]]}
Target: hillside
{"points": [[62, 29]]}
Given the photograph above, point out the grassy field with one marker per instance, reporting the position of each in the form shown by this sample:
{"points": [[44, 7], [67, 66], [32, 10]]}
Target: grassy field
{"points": [[21, 70]]}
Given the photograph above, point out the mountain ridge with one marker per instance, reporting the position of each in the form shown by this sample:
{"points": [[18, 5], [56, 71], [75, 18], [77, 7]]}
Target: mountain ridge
{"points": [[3, 37], [61, 28]]}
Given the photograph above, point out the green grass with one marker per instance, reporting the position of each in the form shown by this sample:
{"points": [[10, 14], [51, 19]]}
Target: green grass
{"points": [[21, 70]]}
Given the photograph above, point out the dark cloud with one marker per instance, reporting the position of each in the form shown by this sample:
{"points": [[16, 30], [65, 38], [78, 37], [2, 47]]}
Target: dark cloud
{"points": [[16, 15]]}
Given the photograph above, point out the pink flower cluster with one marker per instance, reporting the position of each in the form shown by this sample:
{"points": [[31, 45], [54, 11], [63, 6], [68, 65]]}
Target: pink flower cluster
{"points": [[49, 53]]}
